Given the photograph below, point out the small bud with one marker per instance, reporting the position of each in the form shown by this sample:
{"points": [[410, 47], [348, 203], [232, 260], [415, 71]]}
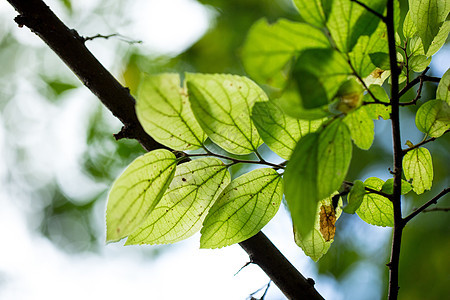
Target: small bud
{"points": [[350, 95]]}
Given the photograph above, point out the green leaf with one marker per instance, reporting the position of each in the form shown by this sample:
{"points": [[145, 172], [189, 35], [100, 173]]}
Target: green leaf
{"points": [[319, 240], [355, 197], [376, 111], [428, 16], [388, 187], [222, 105], [269, 48], [348, 21], [418, 167], [361, 127], [316, 169], [314, 12], [433, 118], [376, 209], [279, 131], [292, 105], [137, 191], [318, 74], [409, 28], [418, 63], [443, 90], [370, 52], [439, 39], [243, 208], [163, 110], [184, 206]]}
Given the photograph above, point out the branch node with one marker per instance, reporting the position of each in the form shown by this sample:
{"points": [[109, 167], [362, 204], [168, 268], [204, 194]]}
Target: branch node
{"points": [[124, 133]]}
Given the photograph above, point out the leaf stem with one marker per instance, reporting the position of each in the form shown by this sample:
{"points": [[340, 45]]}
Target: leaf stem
{"points": [[235, 160], [422, 143], [426, 205]]}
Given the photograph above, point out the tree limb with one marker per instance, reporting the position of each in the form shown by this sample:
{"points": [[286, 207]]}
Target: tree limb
{"points": [[398, 155], [69, 46]]}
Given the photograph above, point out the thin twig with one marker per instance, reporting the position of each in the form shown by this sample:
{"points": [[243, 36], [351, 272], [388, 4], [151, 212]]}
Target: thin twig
{"points": [[243, 267], [426, 205], [444, 209], [119, 36], [416, 81], [383, 18], [419, 90], [422, 143]]}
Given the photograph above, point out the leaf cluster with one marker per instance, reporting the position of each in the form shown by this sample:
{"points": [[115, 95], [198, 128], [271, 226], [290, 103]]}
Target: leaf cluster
{"points": [[319, 93]]}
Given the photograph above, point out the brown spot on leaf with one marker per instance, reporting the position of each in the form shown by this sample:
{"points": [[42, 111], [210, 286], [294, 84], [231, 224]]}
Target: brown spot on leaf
{"points": [[327, 221], [183, 179], [377, 73]]}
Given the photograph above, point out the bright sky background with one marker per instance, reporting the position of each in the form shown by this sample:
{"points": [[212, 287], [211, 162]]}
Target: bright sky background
{"points": [[31, 267]]}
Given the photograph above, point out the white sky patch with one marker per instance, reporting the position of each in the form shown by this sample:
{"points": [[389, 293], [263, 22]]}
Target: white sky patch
{"points": [[168, 26]]}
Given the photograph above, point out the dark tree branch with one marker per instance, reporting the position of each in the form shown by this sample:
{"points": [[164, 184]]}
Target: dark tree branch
{"points": [[426, 205], [69, 46], [276, 266], [398, 155]]}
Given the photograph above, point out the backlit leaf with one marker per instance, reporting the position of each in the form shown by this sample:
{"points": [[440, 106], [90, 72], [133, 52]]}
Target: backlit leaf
{"points": [[318, 74], [428, 16], [246, 205], [376, 209], [314, 12], [222, 105], [355, 197], [443, 90], [184, 206], [279, 131], [433, 118], [319, 240], [269, 48], [164, 111], [409, 28], [137, 191], [439, 39], [418, 63], [348, 21], [376, 111], [316, 169], [388, 187], [368, 50], [292, 105], [418, 167], [361, 127]]}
